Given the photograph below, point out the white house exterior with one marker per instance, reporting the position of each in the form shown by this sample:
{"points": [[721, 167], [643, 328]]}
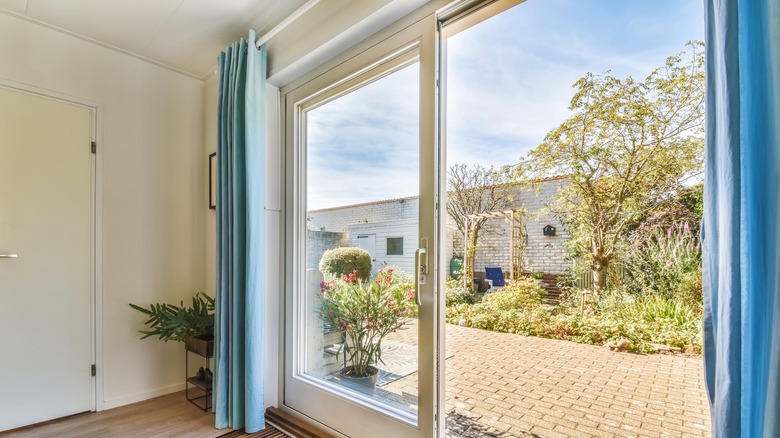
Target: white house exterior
{"points": [[379, 226]]}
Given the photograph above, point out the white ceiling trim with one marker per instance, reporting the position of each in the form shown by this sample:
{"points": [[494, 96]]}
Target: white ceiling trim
{"points": [[102, 44], [286, 22]]}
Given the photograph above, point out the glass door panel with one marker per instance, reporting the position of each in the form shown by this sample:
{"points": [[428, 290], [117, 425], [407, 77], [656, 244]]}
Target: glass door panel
{"points": [[360, 199], [362, 186], [361, 183]]}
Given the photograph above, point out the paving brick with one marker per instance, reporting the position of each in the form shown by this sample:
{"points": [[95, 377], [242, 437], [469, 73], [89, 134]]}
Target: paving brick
{"points": [[548, 433], [520, 385], [583, 430]]}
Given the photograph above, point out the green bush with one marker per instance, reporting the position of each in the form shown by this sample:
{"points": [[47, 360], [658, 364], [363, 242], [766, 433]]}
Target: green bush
{"points": [[342, 261], [667, 262], [458, 293], [516, 295], [608, 316]]}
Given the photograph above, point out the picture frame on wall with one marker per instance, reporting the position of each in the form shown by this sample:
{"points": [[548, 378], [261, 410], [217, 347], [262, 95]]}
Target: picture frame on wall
{"points": [[213, 181]]}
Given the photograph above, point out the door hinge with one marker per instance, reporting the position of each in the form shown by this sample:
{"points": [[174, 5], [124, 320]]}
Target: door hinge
{"points": [[94, 147], [94, 370]]}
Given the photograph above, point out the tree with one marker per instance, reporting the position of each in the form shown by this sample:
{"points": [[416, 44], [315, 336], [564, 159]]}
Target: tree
{"points": [[474, 191], [627, 148]]}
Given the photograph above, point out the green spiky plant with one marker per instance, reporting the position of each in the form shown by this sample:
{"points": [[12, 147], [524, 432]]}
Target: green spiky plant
{"points": [[177, 323]]}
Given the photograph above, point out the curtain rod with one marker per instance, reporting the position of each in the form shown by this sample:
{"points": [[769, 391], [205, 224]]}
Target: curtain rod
{"points": [[286, 22]]}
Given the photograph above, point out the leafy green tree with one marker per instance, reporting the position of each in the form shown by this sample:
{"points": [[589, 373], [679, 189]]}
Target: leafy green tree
{"points": [[627, 148]]}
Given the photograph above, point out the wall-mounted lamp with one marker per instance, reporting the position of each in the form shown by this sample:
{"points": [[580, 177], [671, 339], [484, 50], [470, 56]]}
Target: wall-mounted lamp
{"points": [[549, 230]]}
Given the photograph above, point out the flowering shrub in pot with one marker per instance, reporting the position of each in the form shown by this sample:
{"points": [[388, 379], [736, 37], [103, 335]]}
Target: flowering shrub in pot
{"points": [[364, 312]]}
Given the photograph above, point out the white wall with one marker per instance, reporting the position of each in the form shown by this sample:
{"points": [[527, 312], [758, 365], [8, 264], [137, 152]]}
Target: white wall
{"points": [[381, 231], [154, 194]]}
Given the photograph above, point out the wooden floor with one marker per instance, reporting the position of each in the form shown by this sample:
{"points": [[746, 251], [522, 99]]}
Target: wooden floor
{"points": [[167, 416]]}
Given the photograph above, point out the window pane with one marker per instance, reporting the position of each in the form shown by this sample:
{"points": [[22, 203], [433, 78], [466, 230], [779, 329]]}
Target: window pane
{"points": [[395, 246], [362, 177]]}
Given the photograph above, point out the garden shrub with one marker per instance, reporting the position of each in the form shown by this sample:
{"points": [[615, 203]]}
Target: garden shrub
{"points": [[667, 262], [458, 293], [516, 295], [609, 315], [342, 261]]}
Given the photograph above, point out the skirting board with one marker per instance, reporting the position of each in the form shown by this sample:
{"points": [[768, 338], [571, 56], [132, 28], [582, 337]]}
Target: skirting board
{"points": [[135, 398]]}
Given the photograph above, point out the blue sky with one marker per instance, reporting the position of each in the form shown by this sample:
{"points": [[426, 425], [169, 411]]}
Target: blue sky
{"points": [[508, 83]]}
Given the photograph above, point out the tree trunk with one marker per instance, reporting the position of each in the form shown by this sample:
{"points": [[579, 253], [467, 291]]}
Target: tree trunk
{"points": [[599, 274], [471, 254]]}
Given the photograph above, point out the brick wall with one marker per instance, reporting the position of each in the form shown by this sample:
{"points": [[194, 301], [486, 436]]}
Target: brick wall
{"points": [[542, 253]]}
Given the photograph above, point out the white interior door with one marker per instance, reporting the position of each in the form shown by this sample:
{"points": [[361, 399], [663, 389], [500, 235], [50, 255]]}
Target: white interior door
{"points": [[45, 259]]}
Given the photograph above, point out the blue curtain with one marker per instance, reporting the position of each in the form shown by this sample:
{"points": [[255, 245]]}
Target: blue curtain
{"points": [[238, 351], [742, 217]]}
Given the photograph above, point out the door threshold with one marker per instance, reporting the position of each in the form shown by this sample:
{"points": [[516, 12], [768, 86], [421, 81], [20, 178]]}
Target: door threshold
{"points": [[294, 426]]}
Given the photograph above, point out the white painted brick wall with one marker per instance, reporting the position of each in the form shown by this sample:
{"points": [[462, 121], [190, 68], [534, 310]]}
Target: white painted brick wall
{"points": [[542, 253]]}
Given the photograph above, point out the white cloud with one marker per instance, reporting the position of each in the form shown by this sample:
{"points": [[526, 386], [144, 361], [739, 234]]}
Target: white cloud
{"points": [[364, 146], [509, 83]]}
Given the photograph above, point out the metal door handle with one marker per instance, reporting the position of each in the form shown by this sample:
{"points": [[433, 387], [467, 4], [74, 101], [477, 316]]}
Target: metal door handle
{"points": [[8, 256]]}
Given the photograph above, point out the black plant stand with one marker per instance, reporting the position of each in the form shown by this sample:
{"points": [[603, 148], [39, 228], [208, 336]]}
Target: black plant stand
{"points": [[198, 391]]}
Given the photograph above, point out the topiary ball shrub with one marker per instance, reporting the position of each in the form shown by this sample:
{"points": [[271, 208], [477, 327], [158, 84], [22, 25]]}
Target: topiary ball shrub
{"points": [[341, 261]]}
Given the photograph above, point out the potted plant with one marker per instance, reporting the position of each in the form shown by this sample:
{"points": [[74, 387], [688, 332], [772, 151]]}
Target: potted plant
{"points": [[364, 312], [193, 325]]}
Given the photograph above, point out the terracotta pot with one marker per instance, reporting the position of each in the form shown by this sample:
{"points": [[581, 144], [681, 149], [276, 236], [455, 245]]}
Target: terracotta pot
{"points": [[368, 381]]}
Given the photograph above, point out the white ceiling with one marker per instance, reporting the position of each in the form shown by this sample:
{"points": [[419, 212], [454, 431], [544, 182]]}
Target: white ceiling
{"points": [[184, 35]]}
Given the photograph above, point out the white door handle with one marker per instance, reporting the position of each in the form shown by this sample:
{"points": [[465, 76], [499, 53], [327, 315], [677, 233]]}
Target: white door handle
{"points": [[420, 271], [8, 256]]}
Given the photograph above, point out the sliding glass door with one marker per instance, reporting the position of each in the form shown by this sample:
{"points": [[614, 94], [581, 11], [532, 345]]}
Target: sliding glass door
{"points": [[361, 241]]}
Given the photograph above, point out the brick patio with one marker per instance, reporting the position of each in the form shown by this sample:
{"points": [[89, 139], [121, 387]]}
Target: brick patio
{"points": [[507, 385]]}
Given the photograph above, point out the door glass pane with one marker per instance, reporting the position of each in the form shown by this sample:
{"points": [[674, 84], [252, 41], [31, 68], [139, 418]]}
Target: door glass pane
{"points": [[362, 186]]}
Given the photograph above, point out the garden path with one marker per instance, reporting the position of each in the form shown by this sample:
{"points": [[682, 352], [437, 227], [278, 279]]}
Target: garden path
{"points": [[507, 385]]}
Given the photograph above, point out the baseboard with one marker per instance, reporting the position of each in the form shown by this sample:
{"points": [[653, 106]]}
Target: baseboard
{"points": [[141, 396]]}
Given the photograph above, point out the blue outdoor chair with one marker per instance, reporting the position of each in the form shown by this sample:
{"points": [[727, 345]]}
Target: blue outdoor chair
{"points": [[496, 275]]}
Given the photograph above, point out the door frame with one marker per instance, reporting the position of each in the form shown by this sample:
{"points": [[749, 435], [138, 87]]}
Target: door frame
{"points": [[96, 226], [416, 41], [442, 18]]}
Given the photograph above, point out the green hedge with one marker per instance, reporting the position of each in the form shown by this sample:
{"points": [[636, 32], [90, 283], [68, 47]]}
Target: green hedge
{"points": [[341, 261]]}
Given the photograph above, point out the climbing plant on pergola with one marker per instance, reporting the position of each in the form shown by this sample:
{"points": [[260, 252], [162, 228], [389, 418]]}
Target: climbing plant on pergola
{"points": [[472, 191], [517, 242]]}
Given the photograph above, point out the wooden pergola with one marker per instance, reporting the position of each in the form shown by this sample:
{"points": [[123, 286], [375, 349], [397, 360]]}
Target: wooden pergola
{"points": [[516, 242]]}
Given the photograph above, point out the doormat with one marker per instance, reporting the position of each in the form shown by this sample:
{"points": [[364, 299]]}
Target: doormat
{"points": [[268, 432], [398, 360]]}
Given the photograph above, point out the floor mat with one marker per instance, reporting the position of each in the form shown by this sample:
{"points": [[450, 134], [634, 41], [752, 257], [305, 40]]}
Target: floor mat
{"points": [[268, 432]]}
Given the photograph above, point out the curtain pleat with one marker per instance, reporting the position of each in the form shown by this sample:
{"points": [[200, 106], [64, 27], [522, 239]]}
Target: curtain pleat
{"points": [[238, 352], [741, 228]]}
